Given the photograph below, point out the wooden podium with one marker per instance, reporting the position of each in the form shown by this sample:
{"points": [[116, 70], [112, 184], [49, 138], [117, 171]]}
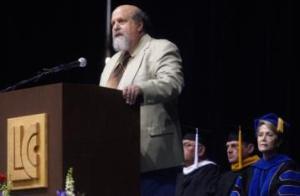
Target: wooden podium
{"points": [[87, 127]]}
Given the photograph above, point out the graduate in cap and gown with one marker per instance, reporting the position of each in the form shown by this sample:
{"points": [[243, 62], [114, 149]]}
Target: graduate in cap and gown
{"points": [[241, 154], [274, 173], [199, 175]]}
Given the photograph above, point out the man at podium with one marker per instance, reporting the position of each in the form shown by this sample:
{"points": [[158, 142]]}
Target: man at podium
{"points": [[149, 71]]}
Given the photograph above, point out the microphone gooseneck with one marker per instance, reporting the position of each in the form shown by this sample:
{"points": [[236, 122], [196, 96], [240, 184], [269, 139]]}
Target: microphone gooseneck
{"points": [[81, 62]]}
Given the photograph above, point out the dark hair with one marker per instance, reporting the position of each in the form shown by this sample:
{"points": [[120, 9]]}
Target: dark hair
{"points": [[141, 16], [248, 136]]}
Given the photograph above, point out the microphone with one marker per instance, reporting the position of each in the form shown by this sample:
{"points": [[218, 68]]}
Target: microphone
{"points": [[81, 62]]}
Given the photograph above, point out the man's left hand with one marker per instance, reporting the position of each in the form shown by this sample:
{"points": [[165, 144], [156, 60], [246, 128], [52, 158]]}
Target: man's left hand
{"points": [[131, 94]]}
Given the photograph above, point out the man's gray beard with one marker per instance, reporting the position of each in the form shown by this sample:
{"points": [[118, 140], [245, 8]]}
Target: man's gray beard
{"points": [[120, 43]]}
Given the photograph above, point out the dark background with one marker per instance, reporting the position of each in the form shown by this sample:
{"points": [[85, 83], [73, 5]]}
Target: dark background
{"points": [[239, 56]]}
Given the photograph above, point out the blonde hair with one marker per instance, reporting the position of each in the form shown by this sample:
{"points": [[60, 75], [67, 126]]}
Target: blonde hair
{"points": [[270, 125], [273, 128]]}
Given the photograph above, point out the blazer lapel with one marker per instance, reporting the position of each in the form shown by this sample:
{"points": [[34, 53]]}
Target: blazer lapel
{"points": [[135, 63], [131, 71], [109, 68]]}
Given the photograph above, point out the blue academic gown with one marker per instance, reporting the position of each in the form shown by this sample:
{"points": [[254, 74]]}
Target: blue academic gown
{"points": [[276, 176]]}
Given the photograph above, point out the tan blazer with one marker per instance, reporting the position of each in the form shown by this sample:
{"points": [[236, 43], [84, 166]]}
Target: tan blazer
{"points": [[155, 66]]}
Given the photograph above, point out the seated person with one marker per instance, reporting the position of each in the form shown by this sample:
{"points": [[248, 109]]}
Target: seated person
{"points": [[199, 175], [274, 173], [239, 158]]}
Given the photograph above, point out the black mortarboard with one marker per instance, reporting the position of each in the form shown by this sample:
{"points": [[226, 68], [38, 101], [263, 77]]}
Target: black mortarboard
{"points": [[189, 132], [248, 135]]}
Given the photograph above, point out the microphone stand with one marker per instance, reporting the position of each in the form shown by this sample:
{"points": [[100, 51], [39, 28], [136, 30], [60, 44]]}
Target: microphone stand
{"points": [[36, 78]]}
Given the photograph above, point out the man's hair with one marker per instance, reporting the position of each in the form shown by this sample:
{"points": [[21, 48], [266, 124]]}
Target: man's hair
{"points": [[141, 16], [248, 136]]}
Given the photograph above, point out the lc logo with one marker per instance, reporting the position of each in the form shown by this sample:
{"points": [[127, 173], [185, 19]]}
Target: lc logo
{"points": [[26, 151]]}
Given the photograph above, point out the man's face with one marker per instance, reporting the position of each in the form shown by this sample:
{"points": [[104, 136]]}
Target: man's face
{"points": [[189, 151], [125, 31], [233, 149], [266, 139]]}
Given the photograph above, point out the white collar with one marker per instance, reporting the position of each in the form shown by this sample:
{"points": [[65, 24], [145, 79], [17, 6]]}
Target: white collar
{"points": [[191, 168]]}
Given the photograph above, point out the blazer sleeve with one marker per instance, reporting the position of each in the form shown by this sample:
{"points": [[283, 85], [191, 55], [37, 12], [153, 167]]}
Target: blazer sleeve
{"points": [[166, 80]]}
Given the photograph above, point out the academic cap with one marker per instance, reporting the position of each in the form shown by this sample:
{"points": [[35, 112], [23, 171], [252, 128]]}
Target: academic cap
{"points": [[272, 118], [189, 133], [248, 135]]}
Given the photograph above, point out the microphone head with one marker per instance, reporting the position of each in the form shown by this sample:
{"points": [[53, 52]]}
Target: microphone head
{"points": [[82, 62]]}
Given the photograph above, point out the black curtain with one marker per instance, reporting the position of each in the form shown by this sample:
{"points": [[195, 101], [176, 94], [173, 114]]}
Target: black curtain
{"points": [[239, 57]]}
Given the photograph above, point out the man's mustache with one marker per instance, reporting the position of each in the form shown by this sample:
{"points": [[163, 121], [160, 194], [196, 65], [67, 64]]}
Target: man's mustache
{"points": [[118, 35]]}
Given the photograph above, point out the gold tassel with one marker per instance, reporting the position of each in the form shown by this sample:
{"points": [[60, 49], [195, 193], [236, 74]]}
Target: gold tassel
{"points": [[280, 124], [240, 161]]}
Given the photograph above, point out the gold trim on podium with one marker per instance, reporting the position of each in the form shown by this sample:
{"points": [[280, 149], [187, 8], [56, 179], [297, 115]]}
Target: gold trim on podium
{"points": [[27, 151]]}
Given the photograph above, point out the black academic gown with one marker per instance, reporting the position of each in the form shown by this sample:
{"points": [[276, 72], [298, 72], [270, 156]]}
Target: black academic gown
{"points": [[226, 183], [200, 182]]}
